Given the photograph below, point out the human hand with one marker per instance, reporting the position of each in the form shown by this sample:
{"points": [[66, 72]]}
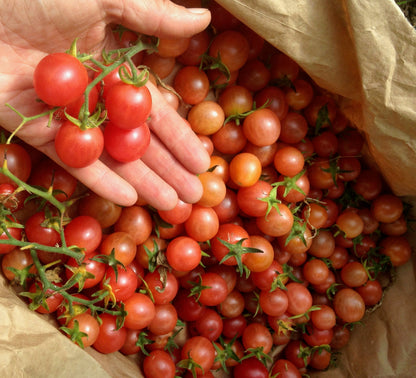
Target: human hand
{"points": [[30, 30]]}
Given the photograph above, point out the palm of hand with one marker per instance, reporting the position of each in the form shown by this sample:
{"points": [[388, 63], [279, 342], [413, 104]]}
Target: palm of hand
{"points": [[26, 46], [173, 157]]}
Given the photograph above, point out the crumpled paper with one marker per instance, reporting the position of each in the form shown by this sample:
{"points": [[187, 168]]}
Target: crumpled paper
{"points": [[362, 52]]}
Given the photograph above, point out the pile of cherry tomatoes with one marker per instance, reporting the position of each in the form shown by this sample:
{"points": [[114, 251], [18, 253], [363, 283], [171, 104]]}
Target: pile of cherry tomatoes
{"points": [[293, 240]]}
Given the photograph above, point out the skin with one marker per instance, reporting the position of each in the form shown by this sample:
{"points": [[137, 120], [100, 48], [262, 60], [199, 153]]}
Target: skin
{"points": [[31, 29]]}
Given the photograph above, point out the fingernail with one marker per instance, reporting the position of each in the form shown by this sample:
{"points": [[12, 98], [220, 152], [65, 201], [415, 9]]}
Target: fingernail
{"points": [[198, 10]]}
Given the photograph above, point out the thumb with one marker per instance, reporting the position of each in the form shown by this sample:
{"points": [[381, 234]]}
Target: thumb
{"points": [[160, 18]]}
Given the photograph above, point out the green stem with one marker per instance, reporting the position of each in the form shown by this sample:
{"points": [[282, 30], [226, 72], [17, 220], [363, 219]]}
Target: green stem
{"points": [[26, 119], [128, 53], [48, 195]]}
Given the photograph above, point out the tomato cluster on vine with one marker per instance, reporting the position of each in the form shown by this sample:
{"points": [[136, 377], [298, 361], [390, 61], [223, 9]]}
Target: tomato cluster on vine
{"points": [[292, 242], [111, 94]]}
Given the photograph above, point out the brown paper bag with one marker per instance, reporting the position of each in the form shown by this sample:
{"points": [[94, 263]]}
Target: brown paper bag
{"points": [[363, 52]]}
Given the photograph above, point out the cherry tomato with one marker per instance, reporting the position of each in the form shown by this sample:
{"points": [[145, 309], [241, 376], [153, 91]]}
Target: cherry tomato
{"points": [[192, 84], [124, 284], [87, 324], [278, 222], [126, 145], [232, 48], [84, 232], [202, 224], [53, 299], [15, 232], [289, 161], [285, 369], [262, 127], [397, 249], [165, 319], [163, 286], [91, 271], [201, 351], [78, 148], [46, 173], [235, 100], [254, 75], [213, 189], [18, 160], [16, 259], [140, 311], [136, 221], [103, 210], [300, 298], [60, 79], [38, 230], [110, 337], [128, 106], [214, 289], [276, 101], [183, 253], [349, 305], [159, 364], [206, 117], [172, 47], [245, 169], [230, 139], [250, 368], [121, 244]]}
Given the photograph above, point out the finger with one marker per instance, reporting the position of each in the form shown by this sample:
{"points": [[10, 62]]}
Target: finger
{"points": [[159, 18], [150, 187], [162, 162], [99, 178], [176, 134]]}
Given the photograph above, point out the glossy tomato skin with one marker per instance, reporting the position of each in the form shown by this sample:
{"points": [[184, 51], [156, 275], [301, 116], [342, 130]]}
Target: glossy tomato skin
{"points": [[11, 199], [250, 368], [78, 148], [89, 266], [187, 306], [38, 233], [201, 350], [89, 325], [183, 253], [102, 209], [46, 172], [74, 108], [192, 84], [349, 305], [230, 233], [232, 47], [121, 244], [202, 224], [18, 162], [159, 364], [85, 232], [262, 127], [53, 299], [15, 232], [126, 145], [128, 106], [162, 285], [124, 284], [275, 99], [59, 79], [140, 311], [285, 369], [215, 289], [397, 249], [16, 259], [110, 338], [278, 222]]}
